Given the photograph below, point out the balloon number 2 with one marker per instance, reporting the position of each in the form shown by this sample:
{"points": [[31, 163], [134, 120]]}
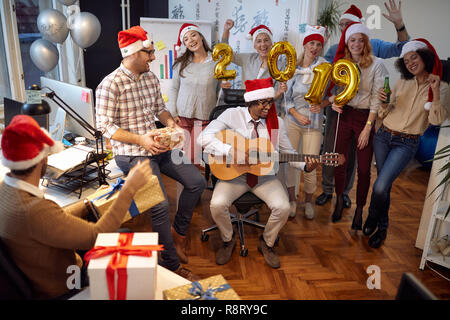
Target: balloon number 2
{"points": [[278, 49], [343, 73], [223, 52]]}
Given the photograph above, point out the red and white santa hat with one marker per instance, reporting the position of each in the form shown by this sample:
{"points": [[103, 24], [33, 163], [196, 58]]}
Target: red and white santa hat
{"points": [[314, 33], [259, 89], [25, 144], [258, 30], [421, 43], [185, 28], [353, 14], [133, 40]]}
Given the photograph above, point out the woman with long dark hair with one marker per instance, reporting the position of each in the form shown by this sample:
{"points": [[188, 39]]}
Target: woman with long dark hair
{"points": [[418, 99], [194, 90]]}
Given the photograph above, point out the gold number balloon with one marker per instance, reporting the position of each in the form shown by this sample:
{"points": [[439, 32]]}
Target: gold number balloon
{"points": [[220, 71], [345, 73], [278, 49], [322, 74]]}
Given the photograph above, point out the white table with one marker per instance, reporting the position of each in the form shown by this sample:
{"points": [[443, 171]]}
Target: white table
{"points": [[165, 279]]}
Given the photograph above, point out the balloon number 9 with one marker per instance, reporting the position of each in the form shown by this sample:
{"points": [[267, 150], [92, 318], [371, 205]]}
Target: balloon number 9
{"points": [[278, 49], [223, 52], [343, 73]]}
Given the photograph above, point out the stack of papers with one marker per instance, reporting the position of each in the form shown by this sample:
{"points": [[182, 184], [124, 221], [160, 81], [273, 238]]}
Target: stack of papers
{"points": [[68, 159]]}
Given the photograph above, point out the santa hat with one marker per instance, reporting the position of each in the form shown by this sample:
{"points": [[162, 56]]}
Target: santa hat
{"points": [[421, 43], [314, 33], [185, 28], [257, 30], [351, 29], [25, 144], [133, 40], [353, 14], [259, 89]]}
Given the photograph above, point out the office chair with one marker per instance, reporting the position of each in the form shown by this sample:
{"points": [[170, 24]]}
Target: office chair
{"points": [[411, 288], [247, 205], [14, 285]]}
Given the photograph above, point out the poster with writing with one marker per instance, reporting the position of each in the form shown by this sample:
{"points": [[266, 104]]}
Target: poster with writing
{"points": [[285, 18]]}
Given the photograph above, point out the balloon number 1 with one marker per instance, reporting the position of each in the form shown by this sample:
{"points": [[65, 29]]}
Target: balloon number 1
{"points": [[223, 52], [343, 73], [278, 49]]}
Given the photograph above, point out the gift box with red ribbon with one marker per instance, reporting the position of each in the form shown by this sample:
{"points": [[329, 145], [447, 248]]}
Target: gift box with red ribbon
{"points": [[122, 266]]}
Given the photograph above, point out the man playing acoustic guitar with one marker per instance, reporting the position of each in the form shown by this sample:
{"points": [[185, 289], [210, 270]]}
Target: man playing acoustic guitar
{"points": [[257, 121]]}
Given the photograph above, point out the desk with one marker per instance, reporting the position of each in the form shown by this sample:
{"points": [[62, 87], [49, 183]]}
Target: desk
{"points": [[165, 279]]}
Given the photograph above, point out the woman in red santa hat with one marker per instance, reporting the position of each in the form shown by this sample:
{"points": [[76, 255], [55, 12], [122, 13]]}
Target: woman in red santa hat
{"points": [[423, 97], [193, 93], [254, 65], [357, 118], [304, 121]]}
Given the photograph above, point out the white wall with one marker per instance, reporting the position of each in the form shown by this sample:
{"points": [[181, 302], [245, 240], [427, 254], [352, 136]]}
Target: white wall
{"points": [[423, 19]]}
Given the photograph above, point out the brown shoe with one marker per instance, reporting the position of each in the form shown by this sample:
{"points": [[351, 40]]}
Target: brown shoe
{"points": [[223, 255], [269, 254], [180, 245], [187, 274]]}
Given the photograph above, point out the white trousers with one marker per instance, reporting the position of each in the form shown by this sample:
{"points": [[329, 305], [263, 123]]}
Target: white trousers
{"points": [[269, 189]]}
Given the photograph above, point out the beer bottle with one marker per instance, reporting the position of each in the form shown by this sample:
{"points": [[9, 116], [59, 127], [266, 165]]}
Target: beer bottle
{"points": [[387, 90]]}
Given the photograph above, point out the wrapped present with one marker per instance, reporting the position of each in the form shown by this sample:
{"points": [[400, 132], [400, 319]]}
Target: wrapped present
{"points": [[132, 256], [212, 288], [172, 138], [145, 198]]}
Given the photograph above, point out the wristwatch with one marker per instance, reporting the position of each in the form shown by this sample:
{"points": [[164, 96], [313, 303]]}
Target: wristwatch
{"points": [[369, 122], [401, 29]]}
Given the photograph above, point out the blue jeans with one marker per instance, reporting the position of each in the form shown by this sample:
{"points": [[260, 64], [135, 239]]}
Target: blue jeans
{"points": [[392, 155], [194, 184]]}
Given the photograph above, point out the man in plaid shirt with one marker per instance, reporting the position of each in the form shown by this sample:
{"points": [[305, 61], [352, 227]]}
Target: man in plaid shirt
{"points": [[127, 102]]}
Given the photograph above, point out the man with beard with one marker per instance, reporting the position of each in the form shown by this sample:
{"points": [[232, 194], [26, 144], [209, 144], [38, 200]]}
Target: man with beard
{"points": [[40, 236]]}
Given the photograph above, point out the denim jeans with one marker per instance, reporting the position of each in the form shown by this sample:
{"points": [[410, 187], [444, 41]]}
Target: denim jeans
{"points": [[194, 184], [392, 155]]}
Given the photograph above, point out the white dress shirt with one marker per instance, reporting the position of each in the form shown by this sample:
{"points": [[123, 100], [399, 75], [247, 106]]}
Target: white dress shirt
{"points": [[24, 186], [240, 120]]}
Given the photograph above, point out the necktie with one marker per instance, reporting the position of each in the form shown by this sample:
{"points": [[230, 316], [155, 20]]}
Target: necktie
{"points": [[252, 180]]}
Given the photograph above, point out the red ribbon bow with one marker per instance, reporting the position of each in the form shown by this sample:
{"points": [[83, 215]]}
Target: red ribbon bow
{"points": [[119, 262]]}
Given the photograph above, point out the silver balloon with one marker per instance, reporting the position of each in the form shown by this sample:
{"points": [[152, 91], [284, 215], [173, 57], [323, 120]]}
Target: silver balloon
{"points": [[44, 54], [67, 2], [52, 24], [85, 29]]}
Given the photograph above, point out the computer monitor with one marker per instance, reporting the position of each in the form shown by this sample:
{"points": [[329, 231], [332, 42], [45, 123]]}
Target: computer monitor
{"points": [[80, 99], [13, 108]]}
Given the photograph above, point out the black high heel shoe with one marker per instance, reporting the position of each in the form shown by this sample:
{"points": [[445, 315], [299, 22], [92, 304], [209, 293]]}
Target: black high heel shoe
{"points": [[337, 213], [369, 226], [357, 219]]}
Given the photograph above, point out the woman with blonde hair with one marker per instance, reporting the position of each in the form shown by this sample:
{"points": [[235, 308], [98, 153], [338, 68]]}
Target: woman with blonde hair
{"points": [[304, 121], [357, 117]]}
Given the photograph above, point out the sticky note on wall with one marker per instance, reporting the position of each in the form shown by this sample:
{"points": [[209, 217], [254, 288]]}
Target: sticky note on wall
{"points": [[85, 96], [160, 45]]}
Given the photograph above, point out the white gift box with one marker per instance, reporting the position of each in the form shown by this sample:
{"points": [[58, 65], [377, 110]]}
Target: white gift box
{"points": [[141, 271]]}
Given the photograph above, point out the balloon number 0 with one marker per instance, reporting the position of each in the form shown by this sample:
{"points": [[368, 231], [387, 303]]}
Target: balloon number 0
{"points": [[223, 52], [343, 73], [278, 49]]}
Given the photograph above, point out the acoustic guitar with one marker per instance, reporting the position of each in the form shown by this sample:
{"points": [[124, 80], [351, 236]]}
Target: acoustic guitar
{"points": [[261, 157]]}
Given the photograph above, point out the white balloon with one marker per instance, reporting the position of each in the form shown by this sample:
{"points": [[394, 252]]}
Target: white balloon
{"points": [[44, 54], [85, 29], [52, 24], [67, 2]]}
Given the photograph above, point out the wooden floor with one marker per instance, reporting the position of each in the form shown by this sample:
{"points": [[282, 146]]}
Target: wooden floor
{"points": [[319, 259]]}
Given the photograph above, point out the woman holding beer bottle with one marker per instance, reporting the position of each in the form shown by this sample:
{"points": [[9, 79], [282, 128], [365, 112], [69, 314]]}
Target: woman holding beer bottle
{"points": [[418, 99]]}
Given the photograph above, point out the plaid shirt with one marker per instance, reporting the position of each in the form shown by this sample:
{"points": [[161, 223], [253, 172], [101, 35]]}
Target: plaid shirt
{"points": [[122, 101]]}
